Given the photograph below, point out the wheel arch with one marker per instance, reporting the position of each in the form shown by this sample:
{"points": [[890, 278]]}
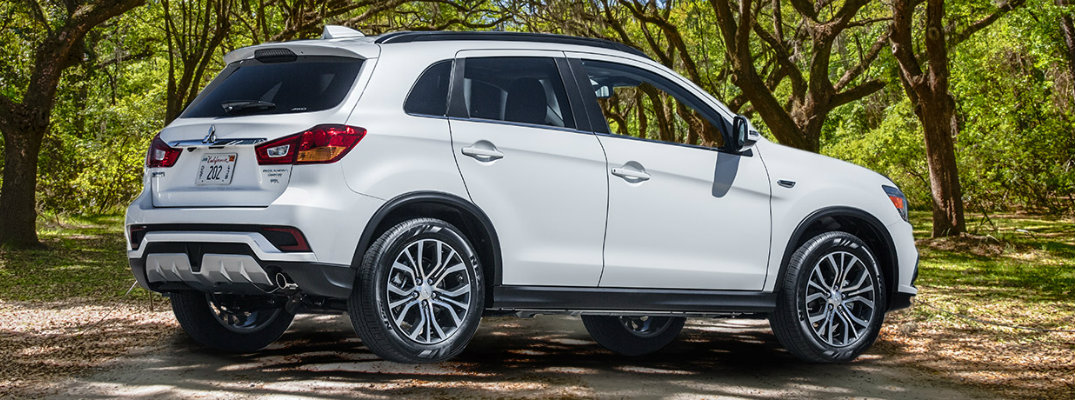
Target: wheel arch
{"points": [[453, 209], [856, 222]]}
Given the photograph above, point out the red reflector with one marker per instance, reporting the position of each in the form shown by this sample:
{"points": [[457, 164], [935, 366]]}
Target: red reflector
{"points": [[160, 154], [298, 242]]}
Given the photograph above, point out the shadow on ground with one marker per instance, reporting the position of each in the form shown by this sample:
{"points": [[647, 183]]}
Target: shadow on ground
{"points": [[540, 357]]}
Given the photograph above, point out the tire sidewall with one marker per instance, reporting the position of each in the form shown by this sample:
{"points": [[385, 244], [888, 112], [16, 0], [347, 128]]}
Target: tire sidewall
{"points": [[836, 241], [382, 264]]}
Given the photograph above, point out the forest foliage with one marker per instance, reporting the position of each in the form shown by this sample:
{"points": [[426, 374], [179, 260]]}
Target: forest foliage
{"points": [[1012, 82]]}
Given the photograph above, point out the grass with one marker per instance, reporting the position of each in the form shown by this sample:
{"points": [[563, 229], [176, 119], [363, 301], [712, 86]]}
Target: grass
{"points": [[1010, 270], [84, 257], [995, 307]]}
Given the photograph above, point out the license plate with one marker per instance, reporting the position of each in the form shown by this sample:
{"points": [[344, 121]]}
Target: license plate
{"points": [[216, 169]]}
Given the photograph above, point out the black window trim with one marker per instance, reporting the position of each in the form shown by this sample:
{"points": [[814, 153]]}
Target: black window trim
{"points": [[593, 110], [457, 108], [448, 96]]}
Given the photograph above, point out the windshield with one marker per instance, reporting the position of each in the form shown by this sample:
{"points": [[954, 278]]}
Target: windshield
{"points": [[310, 83]]}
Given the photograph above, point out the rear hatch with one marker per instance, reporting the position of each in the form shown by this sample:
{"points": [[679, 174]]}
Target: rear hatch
{"points": [[251, 102]]}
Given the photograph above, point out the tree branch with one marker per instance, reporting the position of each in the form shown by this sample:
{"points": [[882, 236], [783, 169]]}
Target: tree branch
{"points": [[857, 92], [871, 55], [960, 37]]}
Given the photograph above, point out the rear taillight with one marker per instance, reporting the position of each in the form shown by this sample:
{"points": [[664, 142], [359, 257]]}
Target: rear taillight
{"points": [[317, 145], [160, 155]]}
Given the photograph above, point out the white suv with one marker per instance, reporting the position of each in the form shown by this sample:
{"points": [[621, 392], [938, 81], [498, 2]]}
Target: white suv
{"points": [[420, 180]]}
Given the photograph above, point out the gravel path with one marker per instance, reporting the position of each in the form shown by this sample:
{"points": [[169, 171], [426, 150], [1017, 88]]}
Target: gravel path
{"points": [[541, 357]]}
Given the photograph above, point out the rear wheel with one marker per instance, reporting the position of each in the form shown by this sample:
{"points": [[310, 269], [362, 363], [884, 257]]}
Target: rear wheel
{"points": [[831, 305], [635, 335], [231, 323], [419, 293]]}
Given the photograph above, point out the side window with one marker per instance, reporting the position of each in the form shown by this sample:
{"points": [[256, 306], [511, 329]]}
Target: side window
{"points": [[642, 104], [429, 96], [516, 89]]}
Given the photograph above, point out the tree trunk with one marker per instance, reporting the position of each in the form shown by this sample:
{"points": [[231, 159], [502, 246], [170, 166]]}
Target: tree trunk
{"points": [[1067, 27], [18, 213], [937, 115], [24, 124], [934, 106]]}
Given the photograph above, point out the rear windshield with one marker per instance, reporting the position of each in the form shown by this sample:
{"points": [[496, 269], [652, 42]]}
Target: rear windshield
{"points": [[309, 83]]}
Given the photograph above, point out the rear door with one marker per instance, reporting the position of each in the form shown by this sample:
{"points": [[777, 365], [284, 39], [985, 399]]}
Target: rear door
{"points": [[251, 101], [530, 165], [682, 213]]}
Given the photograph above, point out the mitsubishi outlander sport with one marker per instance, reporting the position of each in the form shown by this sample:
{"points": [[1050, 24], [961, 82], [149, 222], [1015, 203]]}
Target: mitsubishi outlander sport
{"points": [[421, 180]]}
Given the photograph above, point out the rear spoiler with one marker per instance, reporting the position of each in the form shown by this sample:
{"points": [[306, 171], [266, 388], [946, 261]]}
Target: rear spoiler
{"points": [[308, 48]]}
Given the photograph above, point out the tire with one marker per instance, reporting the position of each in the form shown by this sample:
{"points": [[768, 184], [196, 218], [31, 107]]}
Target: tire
{"points": [[256, 321], [633, 336], [817, 324], [392, 323]]}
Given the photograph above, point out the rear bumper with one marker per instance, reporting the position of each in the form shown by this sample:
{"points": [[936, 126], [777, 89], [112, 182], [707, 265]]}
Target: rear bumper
{"points": [[232, 268]]}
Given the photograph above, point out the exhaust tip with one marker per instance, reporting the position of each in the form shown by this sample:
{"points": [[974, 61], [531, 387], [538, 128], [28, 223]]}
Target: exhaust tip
{"points": [[283, 282]]}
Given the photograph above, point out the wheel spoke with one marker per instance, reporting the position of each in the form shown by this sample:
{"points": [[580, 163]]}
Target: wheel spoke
{"points": [[860, 299], [407, 270], [853, 318], [453, 293], [451, 310], [420, 327], [867, 289], [819, 286], [400, 302], [835, 271], [421, 260], [448, 271], [813, 297], [433, 321], [846, 325], [392, 288], [416, 271]]}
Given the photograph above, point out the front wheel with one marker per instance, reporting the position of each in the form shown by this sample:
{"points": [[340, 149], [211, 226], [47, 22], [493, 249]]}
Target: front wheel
{"points": [[419, 293], [633, 336], [831, 305], [231, 323]]}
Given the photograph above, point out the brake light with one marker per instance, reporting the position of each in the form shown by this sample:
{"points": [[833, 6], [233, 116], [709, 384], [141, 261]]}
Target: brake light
{"points": [[318, 145], [898, 200], [160, 154]]}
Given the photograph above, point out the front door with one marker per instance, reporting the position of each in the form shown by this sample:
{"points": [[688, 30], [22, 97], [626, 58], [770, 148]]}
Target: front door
{"points": [[526, 164], [682, 213]]}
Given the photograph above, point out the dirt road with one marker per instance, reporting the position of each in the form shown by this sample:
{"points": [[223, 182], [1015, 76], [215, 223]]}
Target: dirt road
{"points": [[510, 357]]}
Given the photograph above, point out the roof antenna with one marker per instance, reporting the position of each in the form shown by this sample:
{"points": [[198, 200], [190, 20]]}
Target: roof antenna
{"points": [[339, 32]]}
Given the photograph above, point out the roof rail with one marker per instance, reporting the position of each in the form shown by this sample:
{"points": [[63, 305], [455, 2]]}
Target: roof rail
{"points": [[433, 36]]}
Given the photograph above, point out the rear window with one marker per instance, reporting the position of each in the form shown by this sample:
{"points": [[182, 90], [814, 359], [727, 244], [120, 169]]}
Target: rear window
{"points": [[309, 83]]}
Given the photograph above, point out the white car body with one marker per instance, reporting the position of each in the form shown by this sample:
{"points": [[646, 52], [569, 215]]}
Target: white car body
{"points": [[707, 233]]}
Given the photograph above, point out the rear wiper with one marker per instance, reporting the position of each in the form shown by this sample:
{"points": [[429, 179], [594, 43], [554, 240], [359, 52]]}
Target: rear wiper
{"points": [[235, 107]]}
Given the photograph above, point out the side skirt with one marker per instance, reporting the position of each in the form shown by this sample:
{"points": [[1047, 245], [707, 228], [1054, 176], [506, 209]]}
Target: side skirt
{"points": [[626, 301]]}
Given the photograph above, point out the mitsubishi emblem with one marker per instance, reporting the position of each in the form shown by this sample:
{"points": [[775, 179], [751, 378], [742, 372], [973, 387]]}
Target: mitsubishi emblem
{"points": [[211, 137]]}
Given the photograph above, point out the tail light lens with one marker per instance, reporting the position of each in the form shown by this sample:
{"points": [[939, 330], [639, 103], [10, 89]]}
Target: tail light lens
{"points": [[318, 145], [898, 200], [160, 154]]}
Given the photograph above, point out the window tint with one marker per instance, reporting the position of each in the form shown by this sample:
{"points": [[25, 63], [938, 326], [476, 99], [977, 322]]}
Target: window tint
{"points": [[306, 84], [516, 89], [642, 104], [429, 96]]}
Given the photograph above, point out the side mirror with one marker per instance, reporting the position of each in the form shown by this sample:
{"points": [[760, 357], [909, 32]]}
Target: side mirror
{"points": [[743, 135]]}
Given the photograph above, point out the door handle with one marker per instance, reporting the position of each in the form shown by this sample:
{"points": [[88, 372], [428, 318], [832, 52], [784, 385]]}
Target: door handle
{"points": [[630, 174], [482, 151]]}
